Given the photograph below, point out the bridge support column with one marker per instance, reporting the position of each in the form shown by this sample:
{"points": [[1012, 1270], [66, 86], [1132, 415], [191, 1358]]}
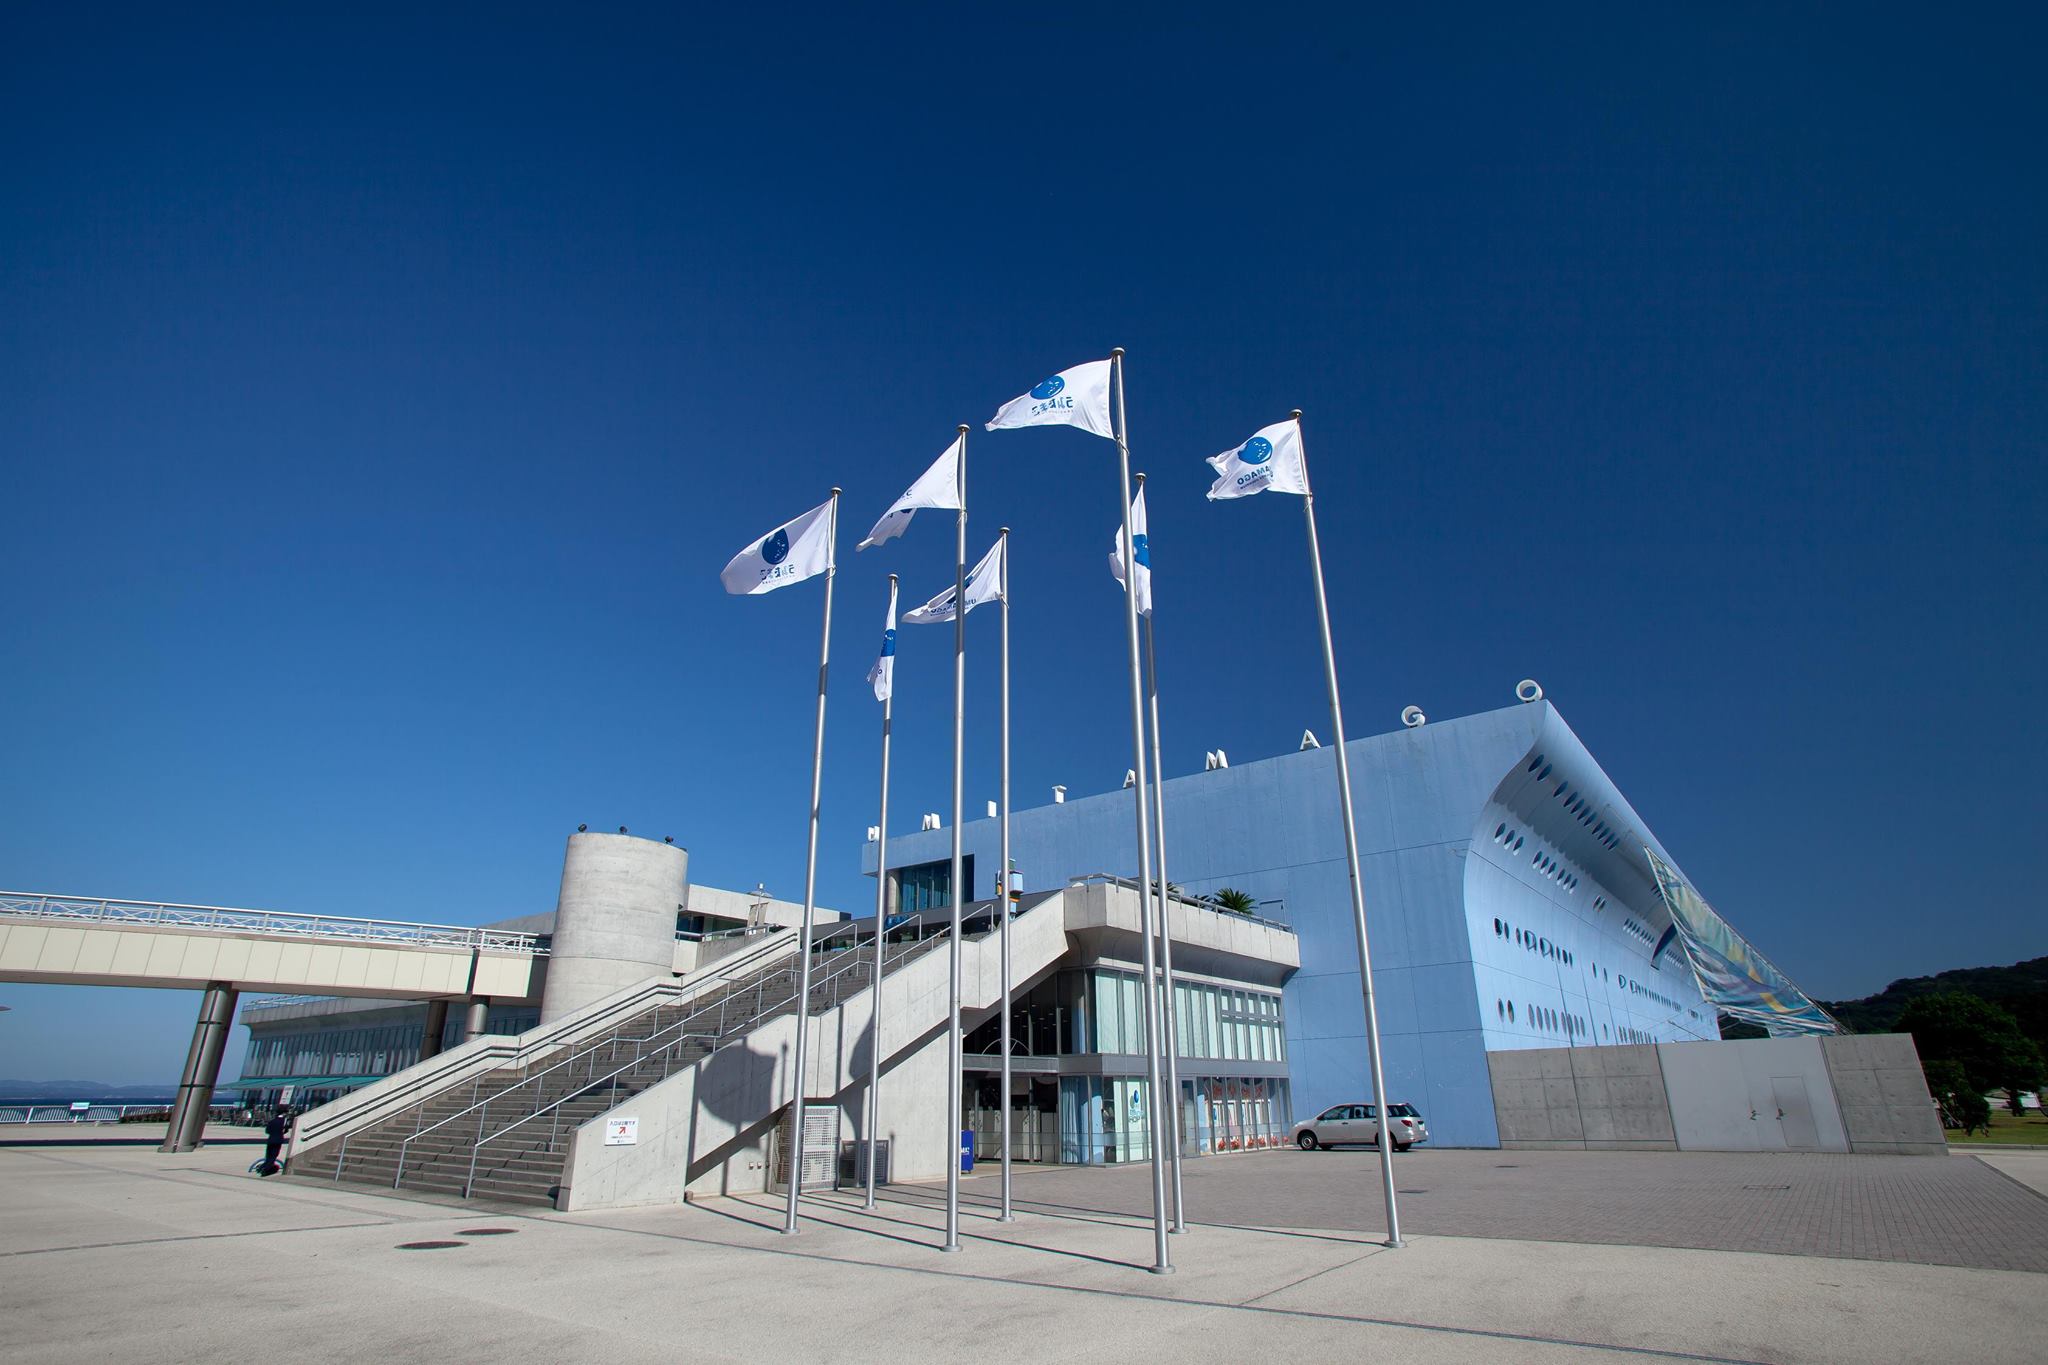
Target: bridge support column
{"points": [[202, 1068], [433, 1029], [478, 1017]]}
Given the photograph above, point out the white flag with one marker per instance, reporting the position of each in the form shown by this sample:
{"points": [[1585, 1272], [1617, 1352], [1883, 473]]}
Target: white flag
{"points": [[789, 554], [1077, 398], [988, 581], [938, 486], [883, 675], [1141, 546], [1271, 459]]}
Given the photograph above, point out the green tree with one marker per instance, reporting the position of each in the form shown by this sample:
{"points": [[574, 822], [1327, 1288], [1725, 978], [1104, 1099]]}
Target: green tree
{"points": [[1962, 1105], [1982, 1039], [1235, 901]]}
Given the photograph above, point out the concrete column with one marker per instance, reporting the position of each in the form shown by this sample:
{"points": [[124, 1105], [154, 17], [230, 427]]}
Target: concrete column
{"points": [[615, 920], [202, 1068], [432, 1030], [477, 1019]]}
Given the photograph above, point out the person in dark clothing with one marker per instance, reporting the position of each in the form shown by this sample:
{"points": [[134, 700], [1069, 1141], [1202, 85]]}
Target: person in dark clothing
{"points": [[274, 1134]]}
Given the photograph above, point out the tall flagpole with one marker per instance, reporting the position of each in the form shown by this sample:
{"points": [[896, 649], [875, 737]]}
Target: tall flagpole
{"points": [[1372, 1013], [1162, 1261], [881, 923], [959, 892], [1170, 1114], [803, 969], [1008, 1214]]}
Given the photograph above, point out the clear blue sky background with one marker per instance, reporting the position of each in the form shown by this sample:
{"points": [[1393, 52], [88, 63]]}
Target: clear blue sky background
{"points": [[381, 394]]}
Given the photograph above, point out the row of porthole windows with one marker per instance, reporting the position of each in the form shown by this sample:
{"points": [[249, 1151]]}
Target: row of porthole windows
{"points": [[1634, 1035], [1639, 931], [1542, 1017], [1508, 838], [1638, 988], [1545, 863], [1599, 902], [1576, 804], [1534, 943]]}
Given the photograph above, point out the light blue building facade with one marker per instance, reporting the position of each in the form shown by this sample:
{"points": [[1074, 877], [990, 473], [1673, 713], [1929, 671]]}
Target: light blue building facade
{"points": [[1509, 891]]}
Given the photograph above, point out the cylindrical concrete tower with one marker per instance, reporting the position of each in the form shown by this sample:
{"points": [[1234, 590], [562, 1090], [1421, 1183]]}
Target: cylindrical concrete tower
{"points": [[615, 923]]}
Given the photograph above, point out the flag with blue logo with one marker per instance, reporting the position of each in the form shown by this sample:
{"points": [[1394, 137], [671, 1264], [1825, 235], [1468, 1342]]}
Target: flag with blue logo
{"points": [[788, 554], [987, 581], [1141, 547], [882, 677], [1271, 459], [938, 486], [1075, 398]]}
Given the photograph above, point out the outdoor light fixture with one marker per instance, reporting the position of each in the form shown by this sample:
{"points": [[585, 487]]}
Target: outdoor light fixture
{"points": [[583, 829]]}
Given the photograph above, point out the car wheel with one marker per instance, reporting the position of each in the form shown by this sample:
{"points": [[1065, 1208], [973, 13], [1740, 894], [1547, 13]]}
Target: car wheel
{"points": [[1403, 1146], [1307, 1141]]}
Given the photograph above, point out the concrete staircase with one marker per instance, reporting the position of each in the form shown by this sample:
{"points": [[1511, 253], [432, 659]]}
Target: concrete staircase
{"points": [[502, 1134]]}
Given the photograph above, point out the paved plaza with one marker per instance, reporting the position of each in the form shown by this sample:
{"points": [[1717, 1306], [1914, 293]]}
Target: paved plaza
{"points": [[119, 1253]]}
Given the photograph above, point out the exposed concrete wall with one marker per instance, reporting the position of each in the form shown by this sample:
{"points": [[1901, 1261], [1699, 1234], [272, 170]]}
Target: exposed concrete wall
{"points": [[1883, 1094], [615, 921], [1863, 1094]]}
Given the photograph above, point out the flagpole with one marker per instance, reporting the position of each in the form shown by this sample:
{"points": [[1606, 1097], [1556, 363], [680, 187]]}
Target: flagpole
{"points": [[881, 923], [1170, 1116], [803, 969], [959, 892], [1162, 1261], [1372, 1014], [1008, 1214]]}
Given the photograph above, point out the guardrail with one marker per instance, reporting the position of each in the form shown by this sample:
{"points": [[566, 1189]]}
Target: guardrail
{"points": [[98, 1113], [1192, 902], [227, 919]]}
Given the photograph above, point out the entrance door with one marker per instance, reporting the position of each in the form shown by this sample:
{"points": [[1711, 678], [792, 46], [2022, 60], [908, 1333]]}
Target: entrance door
{"points": [[1795, 1113]]}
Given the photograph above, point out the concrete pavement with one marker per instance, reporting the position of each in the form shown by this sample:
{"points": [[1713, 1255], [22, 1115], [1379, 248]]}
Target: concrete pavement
{"points": [[120, 1253]]}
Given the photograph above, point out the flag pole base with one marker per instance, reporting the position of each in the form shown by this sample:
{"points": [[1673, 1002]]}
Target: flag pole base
{"points": [[950, 1246], [1393, 1244], [1159, 1269], [1006, 1218]]}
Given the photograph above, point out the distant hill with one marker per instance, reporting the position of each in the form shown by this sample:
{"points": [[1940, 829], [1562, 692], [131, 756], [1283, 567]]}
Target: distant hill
{"points": [[80, 1090], [2021, 988]]}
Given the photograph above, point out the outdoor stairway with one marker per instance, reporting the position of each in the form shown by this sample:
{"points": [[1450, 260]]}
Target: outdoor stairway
{"points": [[504, 1134]]}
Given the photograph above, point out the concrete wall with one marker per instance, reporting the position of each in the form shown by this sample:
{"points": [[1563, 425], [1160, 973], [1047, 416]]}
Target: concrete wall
{"points": [[1883, 1094], [1862, 1094], [615, 921]]}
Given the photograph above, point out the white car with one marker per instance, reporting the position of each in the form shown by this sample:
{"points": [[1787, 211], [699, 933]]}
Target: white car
{"points": [[1358, 1124]]}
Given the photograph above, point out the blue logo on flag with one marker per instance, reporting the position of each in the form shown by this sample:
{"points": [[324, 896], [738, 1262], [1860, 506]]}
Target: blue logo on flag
{"points": [[1049, 388], [1141, 546], [1257, 450], [775, 549], [888, 643]]}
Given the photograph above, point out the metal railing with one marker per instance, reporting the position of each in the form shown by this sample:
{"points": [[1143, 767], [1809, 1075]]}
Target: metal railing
{"points": [[98, 1113], [1191, 901], [691, 1026], [226, 919]]}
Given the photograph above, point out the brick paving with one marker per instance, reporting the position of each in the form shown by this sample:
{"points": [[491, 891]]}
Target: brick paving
{"points": [[1951, 1210]]}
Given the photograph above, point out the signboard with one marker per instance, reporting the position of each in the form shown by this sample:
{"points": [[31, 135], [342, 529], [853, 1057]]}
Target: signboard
{"points": [[284, 1096], [621, 1132], [80, 1106]]}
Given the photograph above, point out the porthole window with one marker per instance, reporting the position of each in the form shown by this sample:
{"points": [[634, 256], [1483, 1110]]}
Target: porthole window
{"points": [[1500, 829], [1518, 843], [1542, 776]]}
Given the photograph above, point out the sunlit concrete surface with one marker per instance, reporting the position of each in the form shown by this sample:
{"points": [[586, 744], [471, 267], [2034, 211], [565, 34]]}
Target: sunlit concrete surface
{"points": [[122, 1254]]}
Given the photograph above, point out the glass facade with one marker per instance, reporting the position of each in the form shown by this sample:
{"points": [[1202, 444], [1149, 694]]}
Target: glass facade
{"points": [[349, 1056], [929, 886], [1055, 1115]]}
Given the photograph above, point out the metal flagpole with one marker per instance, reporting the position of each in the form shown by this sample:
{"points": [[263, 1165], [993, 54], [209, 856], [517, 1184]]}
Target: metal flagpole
{"points": [[881, 923], [959, 892], [803, 947], [1170, 1114], [1162, 1262], [1372, 1013], [1008, 1214]]}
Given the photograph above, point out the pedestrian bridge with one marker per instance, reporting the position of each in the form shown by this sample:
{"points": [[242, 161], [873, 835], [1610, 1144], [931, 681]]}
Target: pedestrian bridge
{"points": [[92, 941]]}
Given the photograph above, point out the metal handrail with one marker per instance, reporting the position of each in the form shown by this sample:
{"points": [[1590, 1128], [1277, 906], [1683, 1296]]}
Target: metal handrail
{"points": [[540, 1040], [228, 919], [761, 1012], [1193, 902]]}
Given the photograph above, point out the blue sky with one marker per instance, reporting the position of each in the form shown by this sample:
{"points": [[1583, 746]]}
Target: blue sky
{"points": [[380, 395]]}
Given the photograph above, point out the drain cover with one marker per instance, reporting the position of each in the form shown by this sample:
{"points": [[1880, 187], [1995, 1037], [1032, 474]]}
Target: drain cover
{"points": [[428, 1246], [485, 1232], [1411, 1191], [1511, 1166], [1766, 1187]]}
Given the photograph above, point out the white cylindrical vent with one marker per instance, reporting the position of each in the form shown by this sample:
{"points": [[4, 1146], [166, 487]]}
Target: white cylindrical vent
{"points": [[615, 920], [1059, 796], [1528, 689]]}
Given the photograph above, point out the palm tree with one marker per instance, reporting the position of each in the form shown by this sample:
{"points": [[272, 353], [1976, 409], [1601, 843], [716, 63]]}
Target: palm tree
{"points": [[1235, 901]]}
